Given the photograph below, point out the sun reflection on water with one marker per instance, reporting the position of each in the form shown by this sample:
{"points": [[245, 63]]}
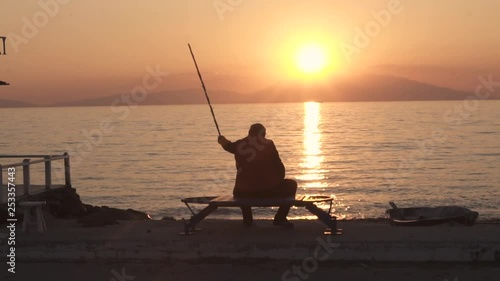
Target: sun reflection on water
{"points": [[312, 173]]}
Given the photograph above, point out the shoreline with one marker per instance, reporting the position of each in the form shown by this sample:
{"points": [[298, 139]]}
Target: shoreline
{"points": [[67, 203], [381, 220]]}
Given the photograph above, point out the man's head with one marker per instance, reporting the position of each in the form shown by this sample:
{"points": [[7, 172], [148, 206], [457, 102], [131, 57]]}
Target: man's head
{"points": [[257, 130]]}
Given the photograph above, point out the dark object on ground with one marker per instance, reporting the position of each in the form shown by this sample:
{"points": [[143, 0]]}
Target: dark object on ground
{"points": [[117, 214], [65, 203], [168, 219], [61, 202], [101, 216], [426, 216], [97, 220]]}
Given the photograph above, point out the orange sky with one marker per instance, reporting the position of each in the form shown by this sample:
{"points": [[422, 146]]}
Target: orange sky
{"points": [[83, 49]]}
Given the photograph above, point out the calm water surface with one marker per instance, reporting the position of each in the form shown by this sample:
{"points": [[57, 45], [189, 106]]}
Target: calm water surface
{"points": [[363, 154]]}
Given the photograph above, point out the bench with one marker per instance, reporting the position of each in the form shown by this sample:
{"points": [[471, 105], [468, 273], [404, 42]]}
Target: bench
{"points": [[214, 202], [40, 221]]}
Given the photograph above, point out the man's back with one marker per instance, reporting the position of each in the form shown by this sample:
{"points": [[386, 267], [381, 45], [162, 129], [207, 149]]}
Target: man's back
{"points": [[259, 167]]}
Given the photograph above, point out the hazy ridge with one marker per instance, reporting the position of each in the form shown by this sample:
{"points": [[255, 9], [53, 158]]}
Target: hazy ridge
{"points": [[15, 103], [353, 89]]}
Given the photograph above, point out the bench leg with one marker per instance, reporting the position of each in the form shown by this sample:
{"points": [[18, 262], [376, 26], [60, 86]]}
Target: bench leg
{"points": [[40, 220], [330, 221], [26, 220], [189, 227]]}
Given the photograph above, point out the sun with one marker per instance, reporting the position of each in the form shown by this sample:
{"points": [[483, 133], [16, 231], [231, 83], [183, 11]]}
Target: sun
{"points": [[311, 59]]}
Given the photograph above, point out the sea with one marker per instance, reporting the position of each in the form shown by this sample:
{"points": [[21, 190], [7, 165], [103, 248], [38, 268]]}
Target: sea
{"points": [[363, 154]]}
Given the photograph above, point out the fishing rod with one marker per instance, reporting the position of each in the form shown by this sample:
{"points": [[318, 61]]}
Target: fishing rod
{"points": [[204, 89]]}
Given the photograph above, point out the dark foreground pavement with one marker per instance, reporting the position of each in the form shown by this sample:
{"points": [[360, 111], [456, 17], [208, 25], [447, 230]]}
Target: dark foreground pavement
{"points": [[251, 270], [226, 250], [157, 241]]}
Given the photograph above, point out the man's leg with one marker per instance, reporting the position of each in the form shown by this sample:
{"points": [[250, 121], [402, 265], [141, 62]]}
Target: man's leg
{"points": [[247, 215], [288, 188], [281, 214], [245, 210]]}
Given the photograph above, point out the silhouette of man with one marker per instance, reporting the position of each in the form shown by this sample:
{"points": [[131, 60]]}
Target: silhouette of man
{"points": [[260, 173]]}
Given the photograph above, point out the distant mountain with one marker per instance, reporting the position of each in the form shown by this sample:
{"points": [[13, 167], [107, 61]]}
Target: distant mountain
{"points": [[360, 88], [12, 103], [367, 87], [392, 88], [190, 96]]}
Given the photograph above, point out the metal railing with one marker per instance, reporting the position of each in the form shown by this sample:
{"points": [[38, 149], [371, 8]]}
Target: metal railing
{"points": [[3, 38], [2, 48], [28, 162]]}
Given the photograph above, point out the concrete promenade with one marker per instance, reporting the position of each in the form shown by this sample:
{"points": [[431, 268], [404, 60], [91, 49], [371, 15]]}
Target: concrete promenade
{"points": [[361, 241]]}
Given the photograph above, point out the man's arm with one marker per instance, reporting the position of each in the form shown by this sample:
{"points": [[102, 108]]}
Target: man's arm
{"points": [[226, 144], [277, 160]]}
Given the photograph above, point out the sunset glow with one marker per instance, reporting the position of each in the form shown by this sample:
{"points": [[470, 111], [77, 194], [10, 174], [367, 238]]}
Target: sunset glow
{"points": [[242, 47]]}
